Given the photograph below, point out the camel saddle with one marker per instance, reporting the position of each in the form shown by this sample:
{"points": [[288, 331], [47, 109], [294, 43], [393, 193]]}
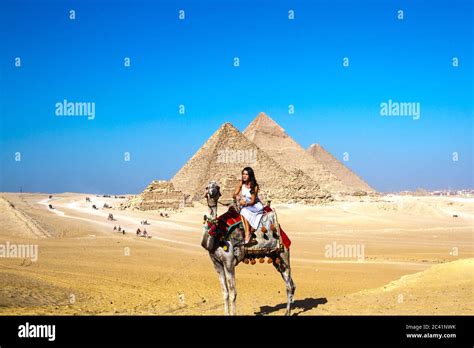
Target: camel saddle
{"points": [[269, 234]]}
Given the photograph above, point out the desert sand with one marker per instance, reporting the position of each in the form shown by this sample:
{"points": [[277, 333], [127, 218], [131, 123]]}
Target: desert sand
{"points": [[418, 259]]}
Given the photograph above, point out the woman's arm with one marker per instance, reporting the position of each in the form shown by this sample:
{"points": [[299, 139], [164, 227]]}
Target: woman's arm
{"points": [[237, 190], [253, 197]]}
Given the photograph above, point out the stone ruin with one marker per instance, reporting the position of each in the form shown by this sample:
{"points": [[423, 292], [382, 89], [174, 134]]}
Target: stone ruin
{"points": [[159, 194]]}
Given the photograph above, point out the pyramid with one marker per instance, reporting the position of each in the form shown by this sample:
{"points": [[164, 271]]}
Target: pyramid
{"points": [[347, 176], [227, 188], [226, 153], [159, 194], [273, 139]]}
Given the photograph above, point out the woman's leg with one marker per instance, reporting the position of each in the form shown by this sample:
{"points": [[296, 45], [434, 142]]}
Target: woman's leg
{"points": [[246, 228]]}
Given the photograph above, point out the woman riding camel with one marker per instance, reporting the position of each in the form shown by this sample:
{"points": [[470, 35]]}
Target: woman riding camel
{"points": [[251, 206]]}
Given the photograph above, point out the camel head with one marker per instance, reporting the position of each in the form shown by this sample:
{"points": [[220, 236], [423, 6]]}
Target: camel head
{"points": [[213, 190]]}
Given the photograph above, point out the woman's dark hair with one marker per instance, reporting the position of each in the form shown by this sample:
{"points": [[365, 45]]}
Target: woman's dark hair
{"points": [[252, 180]]}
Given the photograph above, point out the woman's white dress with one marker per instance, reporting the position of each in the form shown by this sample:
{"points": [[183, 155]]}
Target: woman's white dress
{"points": [[253, 213]]}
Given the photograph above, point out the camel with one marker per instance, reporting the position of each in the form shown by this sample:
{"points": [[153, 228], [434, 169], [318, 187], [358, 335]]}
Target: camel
{"points": [[213, 193], [225, 256]]}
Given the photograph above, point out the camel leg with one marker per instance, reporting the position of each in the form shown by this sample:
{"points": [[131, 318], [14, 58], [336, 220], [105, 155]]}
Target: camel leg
{"points": [[230, 276], [290, 289], [285, 271], [222, 279]]}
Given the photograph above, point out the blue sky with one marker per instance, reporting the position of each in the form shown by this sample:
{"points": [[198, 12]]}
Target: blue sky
{"points": [[190, 62]]}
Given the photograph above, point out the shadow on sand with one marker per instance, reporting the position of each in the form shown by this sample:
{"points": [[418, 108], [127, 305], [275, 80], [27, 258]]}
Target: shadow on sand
{"points": [[297, 307]]}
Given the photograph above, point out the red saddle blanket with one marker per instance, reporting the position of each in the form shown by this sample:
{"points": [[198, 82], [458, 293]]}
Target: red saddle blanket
{"points": [[231, 217], [284, 238], [224, 221]]}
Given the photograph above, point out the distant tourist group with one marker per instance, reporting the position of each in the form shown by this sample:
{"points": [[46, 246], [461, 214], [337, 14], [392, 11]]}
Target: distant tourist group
{"points": [[119, 229], [143, 233]]}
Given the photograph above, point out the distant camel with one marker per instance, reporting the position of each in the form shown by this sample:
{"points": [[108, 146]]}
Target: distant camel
{"points": [[227, 255], [145, 234]]}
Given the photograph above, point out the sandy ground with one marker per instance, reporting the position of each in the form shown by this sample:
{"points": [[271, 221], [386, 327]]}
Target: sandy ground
{"points": [[418, 259]]}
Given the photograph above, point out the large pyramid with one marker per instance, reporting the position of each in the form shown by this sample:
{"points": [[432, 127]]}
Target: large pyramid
{"points": [[273, 139], [285, 171], [227, 152], [347, 176]]}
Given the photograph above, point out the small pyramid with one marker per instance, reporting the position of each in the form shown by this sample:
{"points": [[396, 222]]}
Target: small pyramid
{"points": [[271, 138], [159, 194], [226, 153], [343, 173], [228, 185]]}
